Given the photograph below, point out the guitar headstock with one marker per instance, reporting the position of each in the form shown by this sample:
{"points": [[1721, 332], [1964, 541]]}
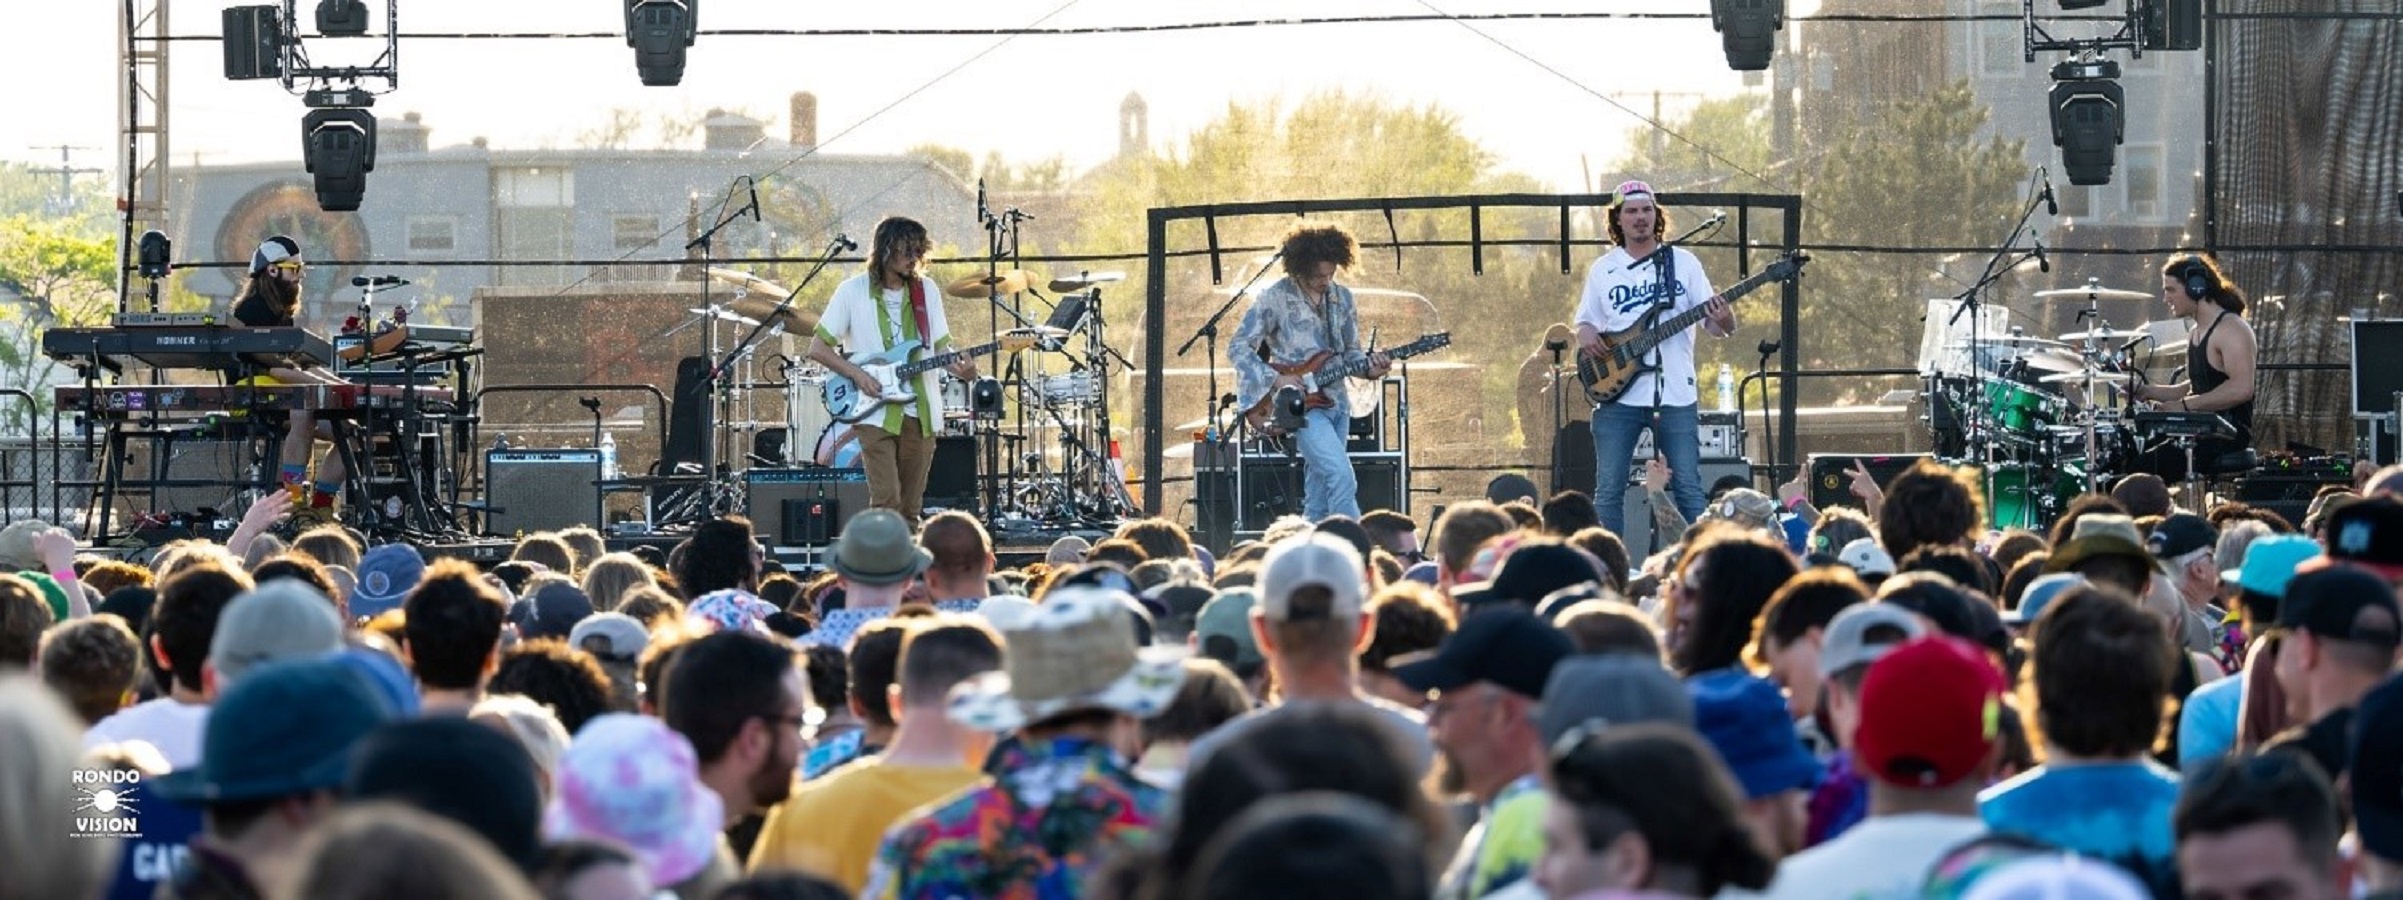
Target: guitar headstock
{"points": [[1012, 342], [1787, 266], [1435, 341]]}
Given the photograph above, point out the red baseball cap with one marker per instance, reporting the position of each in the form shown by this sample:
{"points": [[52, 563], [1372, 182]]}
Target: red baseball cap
{"points": [[1931, 711]]}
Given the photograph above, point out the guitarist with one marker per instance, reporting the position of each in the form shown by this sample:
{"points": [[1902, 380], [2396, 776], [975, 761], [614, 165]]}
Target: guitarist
{"points": [[1298, 317], [1621, 295], [872, 311]]}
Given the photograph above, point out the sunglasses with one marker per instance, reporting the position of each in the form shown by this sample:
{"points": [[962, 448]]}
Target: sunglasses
{"points": [[289, 265]]}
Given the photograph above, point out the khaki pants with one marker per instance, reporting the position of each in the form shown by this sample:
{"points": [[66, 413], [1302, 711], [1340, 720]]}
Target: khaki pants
{"points": [[897, 465]]}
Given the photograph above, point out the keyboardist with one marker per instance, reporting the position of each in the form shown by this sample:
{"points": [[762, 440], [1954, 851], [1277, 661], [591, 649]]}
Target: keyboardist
{"points": [[271, 298]]}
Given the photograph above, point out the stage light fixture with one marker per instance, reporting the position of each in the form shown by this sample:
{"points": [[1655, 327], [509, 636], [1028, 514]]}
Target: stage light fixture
{"points": [[2089, 118], [153, 254], [659, 31], [1747, 31], [342, 18], [339, 147], [2074, 5]]}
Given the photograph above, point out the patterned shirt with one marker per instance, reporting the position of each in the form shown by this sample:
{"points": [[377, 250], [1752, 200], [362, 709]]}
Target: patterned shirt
{"points": [[1284, 322], [1035, 831], [838, 626]]}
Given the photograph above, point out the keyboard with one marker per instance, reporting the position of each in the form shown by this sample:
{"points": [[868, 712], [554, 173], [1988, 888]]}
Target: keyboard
{"points": [[211, 398], [2184, 425], [187, 347]]}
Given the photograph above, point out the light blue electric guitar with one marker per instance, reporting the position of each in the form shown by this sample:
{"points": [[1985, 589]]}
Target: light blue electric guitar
{"points": [[897, 375]]}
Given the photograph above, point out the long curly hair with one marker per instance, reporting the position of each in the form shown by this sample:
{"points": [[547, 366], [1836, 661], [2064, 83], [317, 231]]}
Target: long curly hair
{"points": [[1306, 245], [2218, 289]]}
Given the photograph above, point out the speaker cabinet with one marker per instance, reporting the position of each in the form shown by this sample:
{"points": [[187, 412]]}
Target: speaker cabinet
{"points": [[1831, 475], [803, 507], [541, 490], [952, 482], [1636, 507], [1272, 487]]}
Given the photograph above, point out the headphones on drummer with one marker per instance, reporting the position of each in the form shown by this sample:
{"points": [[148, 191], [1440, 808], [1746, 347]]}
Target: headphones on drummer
{"points": [[2199, 281]]}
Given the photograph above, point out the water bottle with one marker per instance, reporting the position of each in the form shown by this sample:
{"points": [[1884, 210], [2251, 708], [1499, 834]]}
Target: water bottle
{"points": [[1726, 388], [608, 456]]}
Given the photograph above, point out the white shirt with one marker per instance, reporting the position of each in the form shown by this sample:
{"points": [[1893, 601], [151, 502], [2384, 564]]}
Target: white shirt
{"points": [[853, 322], [174, 728], [1617, 297], [1884, 856]]}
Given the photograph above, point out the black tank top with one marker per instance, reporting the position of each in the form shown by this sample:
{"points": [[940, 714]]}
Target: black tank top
{"points": [[2206, 378]]}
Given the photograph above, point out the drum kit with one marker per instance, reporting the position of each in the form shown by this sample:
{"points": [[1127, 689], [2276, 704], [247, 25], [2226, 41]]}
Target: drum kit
{"points": [[2043, 419]]}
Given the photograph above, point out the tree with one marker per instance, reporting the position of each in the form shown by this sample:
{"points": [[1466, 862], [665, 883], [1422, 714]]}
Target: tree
{"points": [[56, 277]]}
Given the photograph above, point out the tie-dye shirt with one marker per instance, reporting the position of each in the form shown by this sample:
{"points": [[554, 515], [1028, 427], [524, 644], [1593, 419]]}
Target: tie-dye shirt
{"points": [[2117, 812], [1036, 831]]}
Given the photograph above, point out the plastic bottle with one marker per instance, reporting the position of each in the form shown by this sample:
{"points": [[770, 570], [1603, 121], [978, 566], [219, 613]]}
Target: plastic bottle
{"points": [[608, 455], [1726, 388]]}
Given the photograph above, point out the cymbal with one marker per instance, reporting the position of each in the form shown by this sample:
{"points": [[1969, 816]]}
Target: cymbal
{"points": [[978, 287], [2082, 377], [1084, 280], [748, 281], [2096, 290], [2053, 361], [2102, 334], [722, 315]]}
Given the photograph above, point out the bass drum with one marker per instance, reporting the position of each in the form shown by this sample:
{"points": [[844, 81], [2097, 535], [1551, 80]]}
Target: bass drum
{"points": [[837, 447]]}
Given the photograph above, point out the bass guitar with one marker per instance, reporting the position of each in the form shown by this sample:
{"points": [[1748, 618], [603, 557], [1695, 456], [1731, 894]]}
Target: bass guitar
{"points": [[1281, 411], [895, 374], [1625, 353]]}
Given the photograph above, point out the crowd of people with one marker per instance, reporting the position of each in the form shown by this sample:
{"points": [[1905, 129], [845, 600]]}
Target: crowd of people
{"points": [[1885, 701]]}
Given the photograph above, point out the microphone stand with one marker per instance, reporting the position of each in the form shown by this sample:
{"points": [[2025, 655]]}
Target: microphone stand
{"points": [[721, 500], [1207, 336], [1768, 425], [1560, 409]]}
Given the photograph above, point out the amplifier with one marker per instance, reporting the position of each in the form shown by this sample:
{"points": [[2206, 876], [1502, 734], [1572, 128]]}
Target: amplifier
{"points": [[951, 484], [1272, 487], [1831, 475], [541, 490], [803, 507], [1722, 437]]}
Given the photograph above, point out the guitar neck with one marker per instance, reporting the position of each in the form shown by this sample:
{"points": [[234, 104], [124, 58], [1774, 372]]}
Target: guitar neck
{"points": [[1677, 324], [1349, 368], [944, 359]]}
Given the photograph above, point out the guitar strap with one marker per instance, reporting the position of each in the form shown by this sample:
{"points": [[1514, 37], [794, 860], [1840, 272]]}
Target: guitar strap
{"points": [[917, 307]]}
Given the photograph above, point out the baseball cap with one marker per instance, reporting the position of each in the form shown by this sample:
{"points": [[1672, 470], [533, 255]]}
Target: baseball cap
{"points": [[620, 636], [282, 619], [2180, 534], [1611, 689], [553, 611], [386, 575], [1505, 645], [2342, 603], [1223, 630], [1531, 572], [1631, 189], [286, 728], [2376, 787], [275, 249], [2368, 534], [2270, 562], [1323, 560], [2040, 592], [1742, 506], [459, 769], [1847, 638], [1866, 557], [1745, 718], [1930, 713]]}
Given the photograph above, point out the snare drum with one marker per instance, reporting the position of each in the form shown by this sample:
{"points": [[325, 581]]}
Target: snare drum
{"points": [[1072, 389], [805, 415], [837, 447]]}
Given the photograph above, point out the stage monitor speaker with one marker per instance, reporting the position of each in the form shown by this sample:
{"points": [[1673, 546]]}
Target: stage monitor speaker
{"points": [[541, 490], [1831, 475], [803, 507], [1636, 507], [952, 482]]}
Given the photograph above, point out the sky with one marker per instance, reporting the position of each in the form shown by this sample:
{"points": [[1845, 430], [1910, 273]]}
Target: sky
{"points": [[1537, 93]]}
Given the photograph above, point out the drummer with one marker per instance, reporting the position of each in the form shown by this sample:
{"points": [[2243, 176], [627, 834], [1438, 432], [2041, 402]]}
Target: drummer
{"points": [[2220, 361]]}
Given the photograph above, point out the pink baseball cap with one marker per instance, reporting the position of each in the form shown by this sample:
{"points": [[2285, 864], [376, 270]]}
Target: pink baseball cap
{"points": [[1629, 190]]}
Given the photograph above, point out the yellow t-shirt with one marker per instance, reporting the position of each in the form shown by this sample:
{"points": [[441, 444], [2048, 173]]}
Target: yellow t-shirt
{"points": [[831, 826]]}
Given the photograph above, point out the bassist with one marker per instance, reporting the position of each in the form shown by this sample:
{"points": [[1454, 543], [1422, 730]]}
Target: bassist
{"points": [[1300, 316], [1628, 288], [890, 303]]}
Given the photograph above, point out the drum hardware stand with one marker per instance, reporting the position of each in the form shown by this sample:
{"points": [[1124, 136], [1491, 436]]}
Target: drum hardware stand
{"points": [[1977, 441], [722, 497]]}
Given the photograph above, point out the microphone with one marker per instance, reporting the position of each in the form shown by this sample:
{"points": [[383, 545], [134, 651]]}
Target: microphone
{"points": [[376, 280], [844, 241], [1556, 338], [1717, 217], [2051, 207], [981, 214], [753, 184], [1226, 401], [1769, 348], [2130, 346], [2043, 263]]}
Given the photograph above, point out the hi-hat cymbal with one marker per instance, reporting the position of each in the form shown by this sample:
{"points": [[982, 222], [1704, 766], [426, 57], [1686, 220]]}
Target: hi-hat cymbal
{"points": [[722, 315], [1084, 280], [2096, 290], [2102, 334], [2080, 377], [978, 287]]}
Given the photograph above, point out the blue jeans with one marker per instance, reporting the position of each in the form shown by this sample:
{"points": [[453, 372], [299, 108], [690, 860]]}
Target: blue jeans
{"points": [[1328, 485], [1676, 434]]}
